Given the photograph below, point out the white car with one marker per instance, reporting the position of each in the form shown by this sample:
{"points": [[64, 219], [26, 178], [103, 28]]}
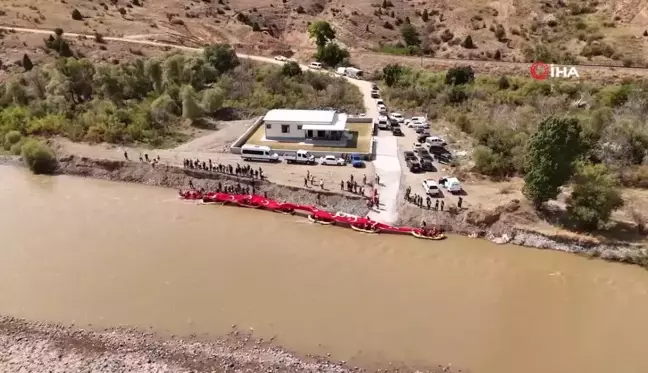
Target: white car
{"points": [[451, 184], [416, 120], [280, 58], [331, 160], [417, 146], [315, 65], [431, 187], [398, 117], [382, 109], [435, 141]]}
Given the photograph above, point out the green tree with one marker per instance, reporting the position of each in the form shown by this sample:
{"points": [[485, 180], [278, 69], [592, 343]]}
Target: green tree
{"points": [[594, 197], [391, 73], [549, 158], [222, 57], [331, 54], [410, 35], [11, 138], [190, 108], [77, 78], [163, 109], [39, 157], [291, 68], [153, 69], [460, 75], [322, 32], [212, 99]]}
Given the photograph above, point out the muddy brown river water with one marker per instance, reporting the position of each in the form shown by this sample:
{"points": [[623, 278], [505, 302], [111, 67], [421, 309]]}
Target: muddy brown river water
{"points": [[99, 253]]}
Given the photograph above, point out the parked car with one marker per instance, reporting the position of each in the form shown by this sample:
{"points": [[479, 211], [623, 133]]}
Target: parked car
{"points": [[396, 131], [331, 160], [374, 86], [280, 58], [422, 136], [375, 94], [420, 128], [413, 165], [409, 155], [382, 109], [356, 161], [452, 184], [431, 187], [417, 146], [398, 117], [315, 65], [435, 142], [383, 122], [380, 102], [445, 158], [427, 162], [417, 119], [300, 156]]}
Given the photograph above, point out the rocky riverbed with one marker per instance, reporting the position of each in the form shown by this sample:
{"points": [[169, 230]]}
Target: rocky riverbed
{"points": [[39, 347]]}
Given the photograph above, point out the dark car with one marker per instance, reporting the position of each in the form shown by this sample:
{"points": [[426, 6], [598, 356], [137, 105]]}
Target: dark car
{"points": [[409, 155], [375, 94], [445, 158], [396, 131], [414, 165], [374, 86], [427, 164], [421, 138]]}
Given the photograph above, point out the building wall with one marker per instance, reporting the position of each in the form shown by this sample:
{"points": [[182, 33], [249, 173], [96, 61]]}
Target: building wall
{"points": [[275, 132]]}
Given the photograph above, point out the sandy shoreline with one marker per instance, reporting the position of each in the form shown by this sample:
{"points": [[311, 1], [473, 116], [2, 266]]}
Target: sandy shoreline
{"points": [[27, 346], [468, 223]]}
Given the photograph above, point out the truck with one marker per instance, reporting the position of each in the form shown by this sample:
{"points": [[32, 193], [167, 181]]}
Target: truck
{"points": [[300, 156]]}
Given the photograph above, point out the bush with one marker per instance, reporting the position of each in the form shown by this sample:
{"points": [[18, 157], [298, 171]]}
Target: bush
{"points": [[468, 43], [11, 138], [39, 157], [76, 15], [460, 75], [595, 195]]}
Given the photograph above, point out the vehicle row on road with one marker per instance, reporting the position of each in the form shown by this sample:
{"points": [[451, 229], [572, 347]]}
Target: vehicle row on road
{"points": [[262, 153]]}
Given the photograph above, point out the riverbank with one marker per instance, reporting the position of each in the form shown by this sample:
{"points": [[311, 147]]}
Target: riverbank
{"points": [[38, 347], [497, 225]]}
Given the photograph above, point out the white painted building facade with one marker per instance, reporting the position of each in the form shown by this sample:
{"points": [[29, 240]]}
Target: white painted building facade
{"points": [[304, 125]]}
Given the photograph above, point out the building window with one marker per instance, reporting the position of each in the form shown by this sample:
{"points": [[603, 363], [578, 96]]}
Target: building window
{"points": [[268, 126], [299, 127], [285, 128]]}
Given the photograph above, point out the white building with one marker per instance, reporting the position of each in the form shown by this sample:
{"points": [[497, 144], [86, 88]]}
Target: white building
{"points": [[301, 125]]}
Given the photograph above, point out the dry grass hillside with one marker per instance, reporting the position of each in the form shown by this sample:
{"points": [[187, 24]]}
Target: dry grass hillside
{"points": [[588, 31]]}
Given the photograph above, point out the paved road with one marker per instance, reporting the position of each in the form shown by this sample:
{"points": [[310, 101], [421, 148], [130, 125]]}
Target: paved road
{"points": [[386, 164]]}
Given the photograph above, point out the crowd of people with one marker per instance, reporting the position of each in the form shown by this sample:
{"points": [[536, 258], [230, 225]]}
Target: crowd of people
{"points": [[238, 170], [237, 188], [426, 201]]}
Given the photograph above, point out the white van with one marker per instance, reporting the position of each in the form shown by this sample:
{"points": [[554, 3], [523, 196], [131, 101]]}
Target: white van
{"points": [[258, 153], [315, 65]]}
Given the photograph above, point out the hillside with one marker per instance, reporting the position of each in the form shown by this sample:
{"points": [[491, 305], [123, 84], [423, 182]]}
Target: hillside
{"points": [[601, 32]]}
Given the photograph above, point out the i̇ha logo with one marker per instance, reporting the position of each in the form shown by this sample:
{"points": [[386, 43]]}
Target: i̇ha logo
{"points": [[542, 71]]}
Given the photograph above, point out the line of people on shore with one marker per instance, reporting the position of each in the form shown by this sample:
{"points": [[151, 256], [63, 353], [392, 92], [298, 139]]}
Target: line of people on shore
{"points": [[238, 170], [237, 188], [145, 158], [426, 201]]}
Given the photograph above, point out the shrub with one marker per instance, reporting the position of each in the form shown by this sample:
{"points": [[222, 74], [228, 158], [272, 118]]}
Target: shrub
{"points": [[460, 75], [468, 43], [291, 68], [447, 35], [595, 195], [27, 63], [76, 15], [11, 138], [39, 157]]}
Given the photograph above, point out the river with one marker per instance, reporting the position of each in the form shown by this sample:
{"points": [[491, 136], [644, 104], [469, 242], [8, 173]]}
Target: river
{"points": [[99, 253]]}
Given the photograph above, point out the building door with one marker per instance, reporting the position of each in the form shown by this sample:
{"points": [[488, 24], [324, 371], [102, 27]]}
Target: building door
{"points": [[309, 134], [321, 134]]}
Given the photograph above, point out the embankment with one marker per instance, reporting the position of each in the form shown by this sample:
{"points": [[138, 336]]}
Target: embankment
{"points": [[499, 226], [39, 347], [179, 178]]}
